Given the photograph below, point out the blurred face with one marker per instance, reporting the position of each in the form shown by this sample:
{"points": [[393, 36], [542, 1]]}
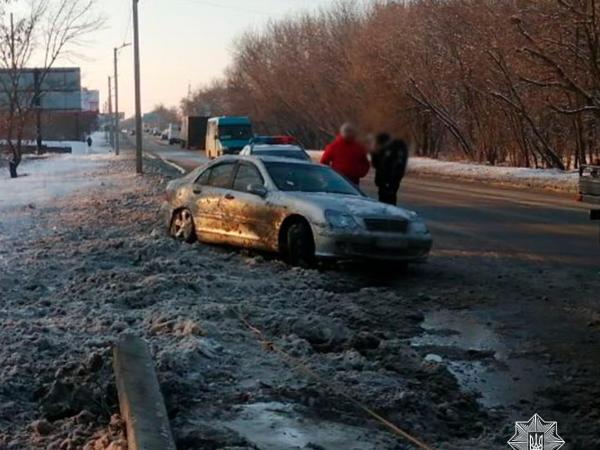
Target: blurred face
{"points": [[348, 132]]}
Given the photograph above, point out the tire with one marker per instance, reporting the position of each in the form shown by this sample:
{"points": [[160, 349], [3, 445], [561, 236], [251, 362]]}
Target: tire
{"points": [[182, 226], [171, 141], [300, 247]]}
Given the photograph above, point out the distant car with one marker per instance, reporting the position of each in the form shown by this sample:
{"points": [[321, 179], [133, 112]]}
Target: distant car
{"points": [[156, 131], [301, 210], [280, 146], [164, 135], [589, 183], [132, 132]]}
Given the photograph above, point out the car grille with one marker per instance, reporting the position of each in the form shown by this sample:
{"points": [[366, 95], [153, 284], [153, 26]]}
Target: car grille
{"points": [[387, 225]]}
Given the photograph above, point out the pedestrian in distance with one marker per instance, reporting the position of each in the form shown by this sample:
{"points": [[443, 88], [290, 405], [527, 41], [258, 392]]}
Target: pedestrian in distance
{"points": [[389, 159], [89, 142], [346, 155]]}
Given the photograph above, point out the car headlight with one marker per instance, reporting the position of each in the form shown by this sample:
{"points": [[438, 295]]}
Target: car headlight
{"points": [[341, 220], [419, 227]]}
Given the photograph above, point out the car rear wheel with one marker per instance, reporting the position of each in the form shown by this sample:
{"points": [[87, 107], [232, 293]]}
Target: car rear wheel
{"points": [[182, 226], [300, 245]]}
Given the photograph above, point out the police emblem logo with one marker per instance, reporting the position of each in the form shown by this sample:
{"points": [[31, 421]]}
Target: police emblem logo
{"points": [[536, 434]]}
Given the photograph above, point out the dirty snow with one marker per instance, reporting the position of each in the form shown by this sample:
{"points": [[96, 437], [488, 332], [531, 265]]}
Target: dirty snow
{"points": [[86, 265], [547, 179]]}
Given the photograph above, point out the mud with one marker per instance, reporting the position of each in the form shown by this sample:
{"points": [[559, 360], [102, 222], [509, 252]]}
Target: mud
{"points": [[433, 349]]}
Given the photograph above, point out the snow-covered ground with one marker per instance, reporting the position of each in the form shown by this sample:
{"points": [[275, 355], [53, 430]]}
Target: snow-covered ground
{"points": [[549, 179], [429, 349], [45, 177]]}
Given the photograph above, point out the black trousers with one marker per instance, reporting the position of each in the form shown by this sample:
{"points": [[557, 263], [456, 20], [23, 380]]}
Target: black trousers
{"points": [[389, 193], [387, 196]]}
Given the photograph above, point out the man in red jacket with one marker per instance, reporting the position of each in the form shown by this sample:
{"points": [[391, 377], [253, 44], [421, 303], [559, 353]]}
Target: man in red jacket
{"points": [[346, 155]]}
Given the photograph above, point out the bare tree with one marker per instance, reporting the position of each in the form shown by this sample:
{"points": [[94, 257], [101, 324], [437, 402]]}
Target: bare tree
{"points": [[491, 81], [40, 33]]}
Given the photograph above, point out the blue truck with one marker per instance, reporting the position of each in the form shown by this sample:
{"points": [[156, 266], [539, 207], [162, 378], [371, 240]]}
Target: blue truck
{"points": [[227, 135]]}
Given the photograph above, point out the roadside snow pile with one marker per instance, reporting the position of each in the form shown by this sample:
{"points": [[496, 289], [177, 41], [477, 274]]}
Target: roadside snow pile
{"points": [[551, 179], [548, 179]]}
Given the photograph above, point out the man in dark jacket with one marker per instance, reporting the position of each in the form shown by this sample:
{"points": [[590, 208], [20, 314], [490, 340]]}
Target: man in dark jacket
{"points": [[390, 160], [347, 156]]}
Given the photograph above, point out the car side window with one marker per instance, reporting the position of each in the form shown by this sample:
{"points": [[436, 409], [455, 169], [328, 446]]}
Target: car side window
{"points": [[247, 174], [221, 175], [202, 180]]}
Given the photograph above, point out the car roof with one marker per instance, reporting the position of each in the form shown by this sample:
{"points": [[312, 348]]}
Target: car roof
{"points": [[262, 158], [268, 147]]}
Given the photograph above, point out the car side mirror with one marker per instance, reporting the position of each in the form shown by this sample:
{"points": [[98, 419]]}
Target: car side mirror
{"points": [[257, 189]]}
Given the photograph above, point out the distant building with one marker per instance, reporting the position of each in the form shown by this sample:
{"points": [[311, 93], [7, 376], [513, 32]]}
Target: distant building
{"points": [[90, 100], [61, 109]]}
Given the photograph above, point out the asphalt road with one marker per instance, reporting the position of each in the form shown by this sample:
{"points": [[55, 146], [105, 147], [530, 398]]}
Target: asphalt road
{"points": [[471, 219]]}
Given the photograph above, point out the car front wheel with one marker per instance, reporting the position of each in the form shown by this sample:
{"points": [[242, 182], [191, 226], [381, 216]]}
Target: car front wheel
{"points": [[300, 245], [182, 226]]}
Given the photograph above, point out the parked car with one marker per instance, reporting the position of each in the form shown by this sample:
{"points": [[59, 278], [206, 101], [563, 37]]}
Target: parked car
{"points": [[164, 135], [156, 131], [589, 183], [301, 210], [280, 146]]}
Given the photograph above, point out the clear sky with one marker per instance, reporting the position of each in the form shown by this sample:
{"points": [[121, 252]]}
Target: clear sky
{"points": [[183, 42]]}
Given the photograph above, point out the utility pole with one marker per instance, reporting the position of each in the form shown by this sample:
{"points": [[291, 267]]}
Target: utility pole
{"points": [[117, 118], [110, 124], [37, 102], [138, 100]]}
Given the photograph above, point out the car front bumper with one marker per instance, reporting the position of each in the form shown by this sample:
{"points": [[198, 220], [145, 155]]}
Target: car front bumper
{"points": [[377, 246]]}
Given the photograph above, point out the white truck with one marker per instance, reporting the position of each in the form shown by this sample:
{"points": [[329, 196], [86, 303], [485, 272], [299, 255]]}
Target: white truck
{"points": [[174, 133]]}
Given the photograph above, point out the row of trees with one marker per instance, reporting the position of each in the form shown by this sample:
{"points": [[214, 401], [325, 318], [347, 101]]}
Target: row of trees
{"points": [[35, 33], [491, 81]]}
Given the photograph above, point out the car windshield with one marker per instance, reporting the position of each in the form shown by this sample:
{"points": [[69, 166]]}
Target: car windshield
{"points": [[309, 178], [294, 154], [235, 132]]}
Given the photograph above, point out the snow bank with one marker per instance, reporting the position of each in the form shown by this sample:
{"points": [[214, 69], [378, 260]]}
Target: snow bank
{"points": [[550, 179]]}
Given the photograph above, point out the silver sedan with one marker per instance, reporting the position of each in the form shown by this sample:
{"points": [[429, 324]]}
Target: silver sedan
{"points": [[301, 210]]}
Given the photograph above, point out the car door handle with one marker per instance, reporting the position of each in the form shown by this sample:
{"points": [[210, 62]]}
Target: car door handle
{"points": [[197, 191], [229, 197]]}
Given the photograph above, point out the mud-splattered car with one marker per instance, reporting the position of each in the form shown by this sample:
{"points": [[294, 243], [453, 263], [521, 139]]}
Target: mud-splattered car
{"points": [[301, 210]]}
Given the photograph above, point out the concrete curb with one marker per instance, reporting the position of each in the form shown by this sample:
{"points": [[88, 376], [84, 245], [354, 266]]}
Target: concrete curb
{"points": [[140, 399], [166, 161]]}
